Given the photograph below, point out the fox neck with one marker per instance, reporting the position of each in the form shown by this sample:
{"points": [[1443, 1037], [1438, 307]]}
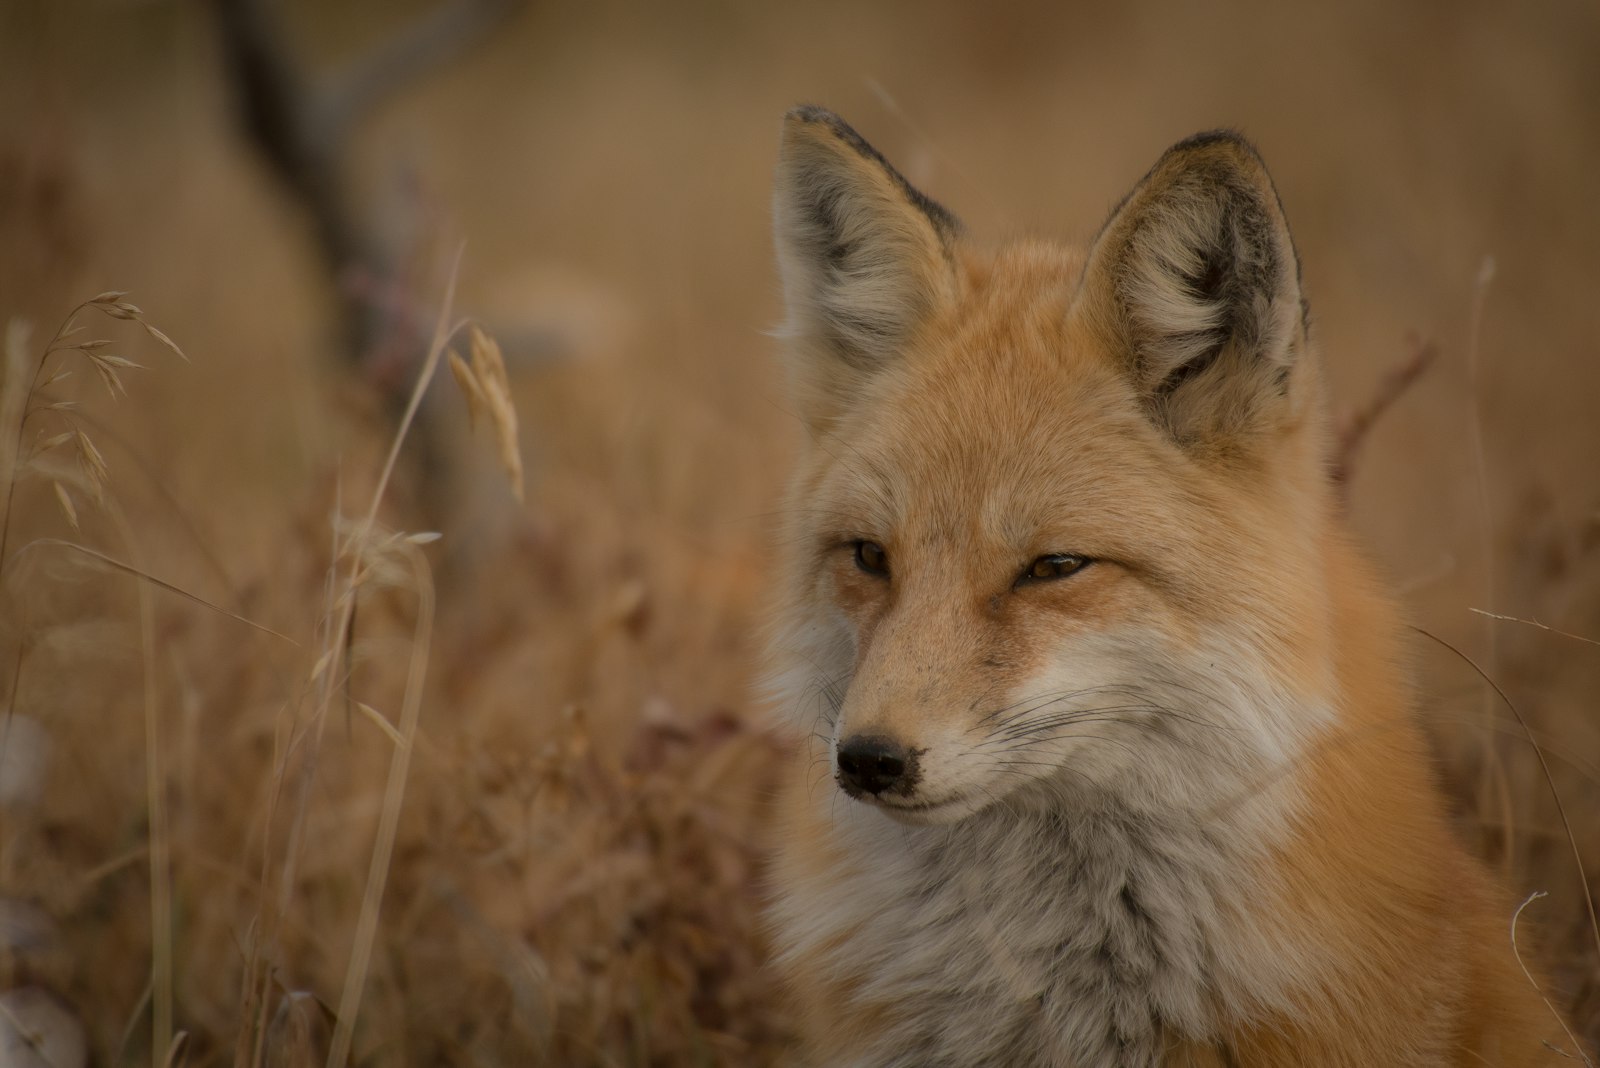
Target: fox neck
{"points": [[1112, 929]]}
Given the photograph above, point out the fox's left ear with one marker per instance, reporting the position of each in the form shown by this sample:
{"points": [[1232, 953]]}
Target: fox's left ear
{"points": [[1195, 284]]}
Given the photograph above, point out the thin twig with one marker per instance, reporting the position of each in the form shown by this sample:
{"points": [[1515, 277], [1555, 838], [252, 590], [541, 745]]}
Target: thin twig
{"points": [[1544, 765], [1516, 951], [1534, 623], [1492, 768], [302, 129], [1357, 426], [432, 40]]}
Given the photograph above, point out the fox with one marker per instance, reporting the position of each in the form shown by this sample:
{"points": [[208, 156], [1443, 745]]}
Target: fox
{"points": [[1107, 748]]}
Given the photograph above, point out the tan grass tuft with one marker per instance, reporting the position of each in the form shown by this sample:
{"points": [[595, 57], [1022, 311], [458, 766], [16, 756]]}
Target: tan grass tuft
{"points": [[487, 389], [23, 404]]}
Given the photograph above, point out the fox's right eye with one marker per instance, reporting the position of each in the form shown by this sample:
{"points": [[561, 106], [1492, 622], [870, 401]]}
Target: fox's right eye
{"points": [[871, 558]]}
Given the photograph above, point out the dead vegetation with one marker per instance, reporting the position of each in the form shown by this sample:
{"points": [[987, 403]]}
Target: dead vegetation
{"points": [[281, 776]]}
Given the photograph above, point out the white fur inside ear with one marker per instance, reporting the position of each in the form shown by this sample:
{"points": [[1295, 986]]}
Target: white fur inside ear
{"points": [[863, 256], [1205, 295], [849, 273], [1176, 323]]}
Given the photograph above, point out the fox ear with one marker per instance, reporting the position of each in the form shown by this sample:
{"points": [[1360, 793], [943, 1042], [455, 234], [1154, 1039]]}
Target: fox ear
{"points": [[865, 258], [1194, 282]]}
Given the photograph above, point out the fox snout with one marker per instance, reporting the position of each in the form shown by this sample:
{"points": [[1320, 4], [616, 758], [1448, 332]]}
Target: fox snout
{"points": [[875, 764]]}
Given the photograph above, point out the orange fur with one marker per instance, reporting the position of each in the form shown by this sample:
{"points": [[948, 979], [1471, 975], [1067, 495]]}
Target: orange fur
{"points": [[1248, 825]]}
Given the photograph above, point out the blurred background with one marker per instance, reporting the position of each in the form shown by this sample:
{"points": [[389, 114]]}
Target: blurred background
{"points": [[564, 819]]}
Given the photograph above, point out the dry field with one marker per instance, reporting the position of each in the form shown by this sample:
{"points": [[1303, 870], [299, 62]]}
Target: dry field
{"points": [[538, 740]]}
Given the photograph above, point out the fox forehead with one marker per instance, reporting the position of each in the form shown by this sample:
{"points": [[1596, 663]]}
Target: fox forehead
{"points": [[1003, 423]]}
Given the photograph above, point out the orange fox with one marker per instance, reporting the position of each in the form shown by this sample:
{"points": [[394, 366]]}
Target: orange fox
{"points": [[1125, 766]]}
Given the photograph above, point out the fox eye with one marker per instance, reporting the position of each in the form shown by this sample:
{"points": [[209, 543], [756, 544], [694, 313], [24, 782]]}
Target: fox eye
{"points": [[1053, 566], [871, 558]]}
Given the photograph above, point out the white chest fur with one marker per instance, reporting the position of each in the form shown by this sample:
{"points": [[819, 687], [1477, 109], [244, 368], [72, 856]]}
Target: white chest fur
{"points": [[1029, 938]]}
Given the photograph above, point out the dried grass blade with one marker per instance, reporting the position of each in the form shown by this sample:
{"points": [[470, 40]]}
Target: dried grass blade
{"points": [[129, 569], [388, 821], [120, 309], [1516, 951], [109, 377], [322, 664], [65, 500], [380, 721], [161, 336], [94, 463], [46, 444], [468, 384], [1535, 623], [1549, 779], [155, 774], [175, 1048]]}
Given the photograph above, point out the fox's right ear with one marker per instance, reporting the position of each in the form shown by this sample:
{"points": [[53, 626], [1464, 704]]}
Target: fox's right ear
{"points": [[865, 258], [1195, 285]]}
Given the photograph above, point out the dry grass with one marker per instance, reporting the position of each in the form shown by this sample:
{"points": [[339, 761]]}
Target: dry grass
{"points": [[535, 742]]}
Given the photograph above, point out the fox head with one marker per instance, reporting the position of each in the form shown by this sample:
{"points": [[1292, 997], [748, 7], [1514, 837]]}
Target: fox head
{"points": [[1059, 524]]}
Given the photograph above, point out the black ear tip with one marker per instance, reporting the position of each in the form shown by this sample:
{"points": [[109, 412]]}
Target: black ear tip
{"points": [[809, 123], [814, 115], [1225, 135], [1225, 142], [802, 126]]}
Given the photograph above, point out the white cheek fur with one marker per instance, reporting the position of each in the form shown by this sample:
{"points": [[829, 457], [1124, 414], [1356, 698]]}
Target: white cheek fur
{"points": [[1129, 708]]}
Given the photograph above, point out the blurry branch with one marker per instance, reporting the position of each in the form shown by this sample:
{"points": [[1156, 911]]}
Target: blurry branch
{"points": [[302, 128], [1355, 427], [430, 41]]}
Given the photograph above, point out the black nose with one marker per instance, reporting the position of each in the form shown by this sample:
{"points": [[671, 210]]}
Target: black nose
{"points": [[871, 764]]}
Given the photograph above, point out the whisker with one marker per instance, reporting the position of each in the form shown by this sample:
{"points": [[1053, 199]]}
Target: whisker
{"points": [[1025, 741], [1046, 698], [1054, 719]]}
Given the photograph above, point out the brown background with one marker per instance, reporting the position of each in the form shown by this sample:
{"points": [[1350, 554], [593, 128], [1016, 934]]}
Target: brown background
{"points": [[579, 854]]}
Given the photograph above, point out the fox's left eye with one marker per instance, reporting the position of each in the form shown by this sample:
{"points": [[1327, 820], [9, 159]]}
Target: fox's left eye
{"points": [[871, 558], [1053, 566]]}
